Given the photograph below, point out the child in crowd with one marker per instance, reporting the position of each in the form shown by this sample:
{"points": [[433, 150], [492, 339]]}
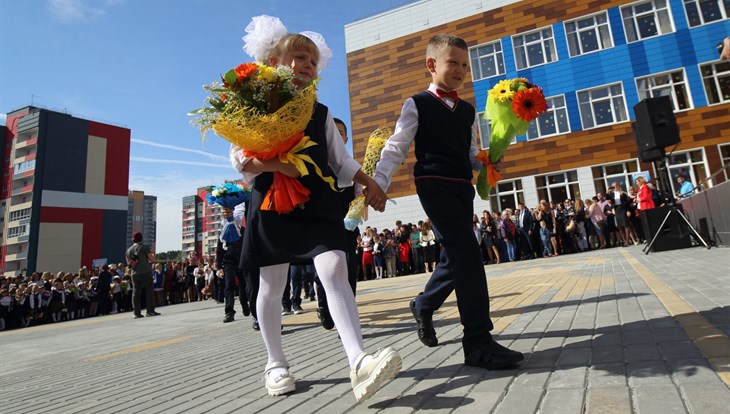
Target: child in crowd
{"points": [[444, 129], [57, 301], [378, 257], [268, 243], [116, 291]]}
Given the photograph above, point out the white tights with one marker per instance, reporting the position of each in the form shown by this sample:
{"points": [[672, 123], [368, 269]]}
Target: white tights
{"points": [[332, 270]]}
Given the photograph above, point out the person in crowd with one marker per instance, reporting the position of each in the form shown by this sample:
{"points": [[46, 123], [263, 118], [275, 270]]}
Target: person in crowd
{"points": [[403, 236], [428, 243], [644, 195], [389, 253], [228, 259], [524, 229], [104, 285], [545, 236], [158, 277], [686, 188], [620, 201], [508, 231], [140, 259], [270, 246], [546, 214], [92, 292], [581, 233], [489, 231], [444, 129], [366, 243], [416, 249], [378, 256], [612, 231]]}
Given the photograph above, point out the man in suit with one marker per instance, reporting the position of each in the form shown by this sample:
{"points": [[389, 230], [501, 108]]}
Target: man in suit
{"points": [[524, 229]]}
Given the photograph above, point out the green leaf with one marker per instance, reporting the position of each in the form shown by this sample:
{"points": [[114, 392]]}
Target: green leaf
{"points": [[231, 77]]}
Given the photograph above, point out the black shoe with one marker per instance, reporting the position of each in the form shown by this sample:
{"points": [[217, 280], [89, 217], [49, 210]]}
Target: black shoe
{"points": [[325, 318], [426, 333], [229, 318], [245, 308], [153, 313], [494, 356], [312, 298], [255, 325], [138, 315], [286, 311], [297, 309]]}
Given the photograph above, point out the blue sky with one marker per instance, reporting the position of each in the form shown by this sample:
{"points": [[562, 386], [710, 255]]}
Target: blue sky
{"points": [[141, 64]]}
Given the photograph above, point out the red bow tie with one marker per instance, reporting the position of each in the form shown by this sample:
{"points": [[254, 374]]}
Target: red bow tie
{"points": [[451, 94]]}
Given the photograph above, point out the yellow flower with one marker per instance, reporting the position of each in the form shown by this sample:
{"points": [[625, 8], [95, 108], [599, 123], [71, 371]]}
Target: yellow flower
{"points": [[502, 91], [267, 73]]}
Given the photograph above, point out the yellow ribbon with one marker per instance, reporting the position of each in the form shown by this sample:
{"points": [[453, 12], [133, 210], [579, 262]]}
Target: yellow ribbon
{"points": [[299, 160]]}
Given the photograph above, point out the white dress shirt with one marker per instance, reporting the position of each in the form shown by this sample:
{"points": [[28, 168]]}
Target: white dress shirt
{"points": [[341, 162], [397, 146]]}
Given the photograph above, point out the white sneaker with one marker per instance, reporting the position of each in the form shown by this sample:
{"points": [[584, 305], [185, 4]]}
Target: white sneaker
{"points": [[282, 383], [377, 368]]}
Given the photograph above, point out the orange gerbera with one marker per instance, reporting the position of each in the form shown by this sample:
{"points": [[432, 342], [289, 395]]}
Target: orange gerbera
{"points": [[529, 103], [244, 70]]}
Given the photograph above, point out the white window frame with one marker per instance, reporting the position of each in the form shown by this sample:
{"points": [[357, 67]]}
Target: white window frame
{"points": [[625, 176], [596, 28], [671, 85], [541, 42], [716, 82], [610, 98], [725, 13], [494, 196], [497, 56], [566, 183], [551, 110], [654, 11], [690, 168], [725, 161]]}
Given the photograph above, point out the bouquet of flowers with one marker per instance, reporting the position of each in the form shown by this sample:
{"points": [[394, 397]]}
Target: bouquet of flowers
{"points": [[228, 195], [511, 105], [358, 210], [264, 111]]}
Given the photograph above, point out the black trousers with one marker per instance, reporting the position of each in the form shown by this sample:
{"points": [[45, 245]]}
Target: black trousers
{"points": [[231, 273], [251, 278], [143, 281], [449, 205]]}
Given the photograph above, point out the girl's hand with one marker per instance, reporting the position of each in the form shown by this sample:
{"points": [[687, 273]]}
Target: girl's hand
{"points": [[289, 170]]}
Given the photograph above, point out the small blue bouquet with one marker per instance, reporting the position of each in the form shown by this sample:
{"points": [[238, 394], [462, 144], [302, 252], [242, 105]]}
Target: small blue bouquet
{"points": [[229, 195]]}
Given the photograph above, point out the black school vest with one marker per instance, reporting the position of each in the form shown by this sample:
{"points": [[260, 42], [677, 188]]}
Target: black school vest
{"points": [[443, 138]]}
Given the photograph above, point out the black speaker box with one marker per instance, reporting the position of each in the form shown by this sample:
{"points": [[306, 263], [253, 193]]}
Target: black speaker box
{"points": [[647, 155], [656, 126], [675, 234]]}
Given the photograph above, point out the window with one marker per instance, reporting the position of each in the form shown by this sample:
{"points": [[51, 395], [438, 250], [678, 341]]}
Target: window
{"points": [[486, 60], [725, 157], [508, 194], [535, 48], [558, 187], [19, 214], [18, 231], [701, 12], [672, 84], [24, 166], [690, 164], [647, 19], [588, 34], [605, 175], [552, 122], [716, 79], [602, 106]]}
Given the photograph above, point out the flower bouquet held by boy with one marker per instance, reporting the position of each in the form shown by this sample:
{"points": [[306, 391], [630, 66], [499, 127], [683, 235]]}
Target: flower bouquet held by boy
{"points": [[511, 105], [229, 195], [358, 210], [264, 110]]}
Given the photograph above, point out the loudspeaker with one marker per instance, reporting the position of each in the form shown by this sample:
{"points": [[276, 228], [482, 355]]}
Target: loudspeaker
{"points": [[647, 155], [675, 234], [656, 126]]}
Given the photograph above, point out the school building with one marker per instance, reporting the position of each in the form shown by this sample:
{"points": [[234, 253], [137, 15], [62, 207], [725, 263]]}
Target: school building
{"points": [[595, 60]]}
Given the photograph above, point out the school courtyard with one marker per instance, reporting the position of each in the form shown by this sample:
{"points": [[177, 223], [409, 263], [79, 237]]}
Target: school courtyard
{"points": [[606, 331]]}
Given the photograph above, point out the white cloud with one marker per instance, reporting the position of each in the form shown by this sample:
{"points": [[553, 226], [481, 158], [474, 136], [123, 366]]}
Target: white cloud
{"points": [[181, 162], [178, 148], [68, 11]]}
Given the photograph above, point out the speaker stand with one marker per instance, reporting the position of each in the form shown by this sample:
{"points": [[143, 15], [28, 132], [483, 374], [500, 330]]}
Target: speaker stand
{"points": [[674, 210]]}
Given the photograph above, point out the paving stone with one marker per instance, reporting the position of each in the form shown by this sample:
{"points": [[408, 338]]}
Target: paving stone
{"points": [[608, 400]]}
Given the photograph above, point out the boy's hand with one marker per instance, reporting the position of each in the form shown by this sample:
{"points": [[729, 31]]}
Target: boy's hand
{"points": [[375, 196], [226, 212], [289, 170]]}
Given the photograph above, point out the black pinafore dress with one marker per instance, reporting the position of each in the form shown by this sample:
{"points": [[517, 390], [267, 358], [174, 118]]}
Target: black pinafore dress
{"points": [[272, 238]]}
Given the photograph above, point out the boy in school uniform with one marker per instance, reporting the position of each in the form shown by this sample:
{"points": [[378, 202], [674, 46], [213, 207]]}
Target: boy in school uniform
{"points": [[444, 129]]}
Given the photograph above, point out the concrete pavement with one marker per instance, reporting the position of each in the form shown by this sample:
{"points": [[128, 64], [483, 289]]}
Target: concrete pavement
{"points": [[607, 331]]}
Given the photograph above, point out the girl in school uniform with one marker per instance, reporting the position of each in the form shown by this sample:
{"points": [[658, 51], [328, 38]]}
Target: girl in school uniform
{"points": [[268, 244]]}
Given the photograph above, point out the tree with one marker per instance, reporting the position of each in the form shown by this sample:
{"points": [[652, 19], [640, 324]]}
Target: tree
{"points": [[171, 255]]}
